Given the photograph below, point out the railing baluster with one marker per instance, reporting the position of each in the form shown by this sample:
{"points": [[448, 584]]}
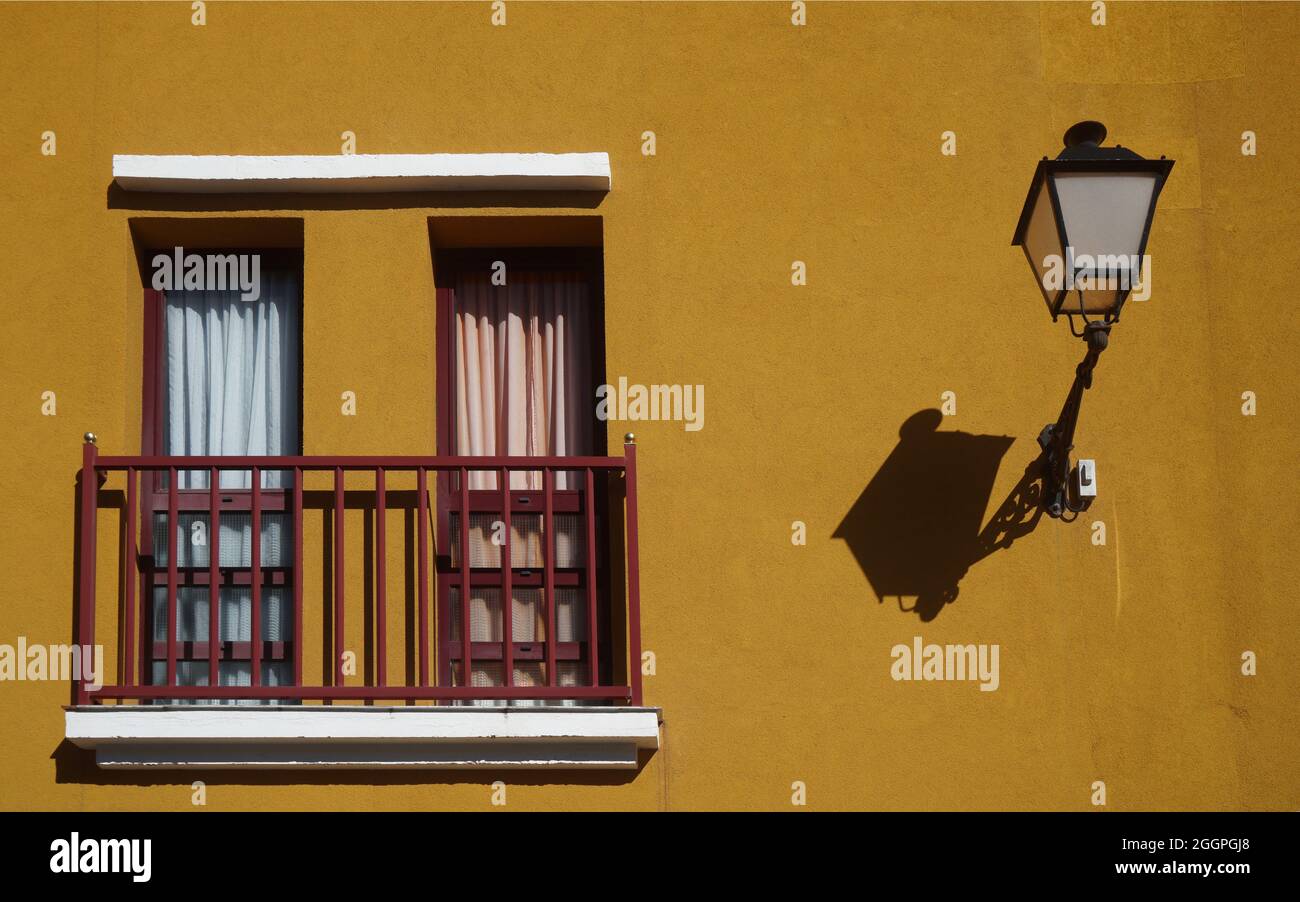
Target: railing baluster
{"points": [[145, 627], [422, 490], [507, 585], [589, 505], [173, 525], [86, 597], [129, 575], [214, 576], [255, 552], [633, 572], [297, 576], [338, 576], [548, 563], [464, 578], [381, 576]]}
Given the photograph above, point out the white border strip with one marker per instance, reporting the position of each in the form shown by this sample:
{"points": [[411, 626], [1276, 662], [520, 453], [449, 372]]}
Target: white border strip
{"points": [[364, 172], [338, 736], [87, 726]]}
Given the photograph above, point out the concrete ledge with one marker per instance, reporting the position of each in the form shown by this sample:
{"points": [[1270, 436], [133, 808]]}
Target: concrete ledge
{"points": [[277, 737], [364, 173]]}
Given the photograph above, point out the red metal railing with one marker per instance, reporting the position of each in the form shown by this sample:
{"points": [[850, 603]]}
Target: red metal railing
{"points": [[610, 590]]}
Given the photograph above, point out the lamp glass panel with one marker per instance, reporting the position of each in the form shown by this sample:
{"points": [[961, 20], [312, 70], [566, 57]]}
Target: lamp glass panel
{"points": [[1105, 213], [1042, 243], [1096, 301]]}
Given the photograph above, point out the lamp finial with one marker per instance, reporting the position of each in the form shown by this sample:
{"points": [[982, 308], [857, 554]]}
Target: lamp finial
{"points": [[1089, 131]]}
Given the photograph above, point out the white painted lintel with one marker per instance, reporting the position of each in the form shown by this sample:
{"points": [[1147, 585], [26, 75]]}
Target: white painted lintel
{"points": [[363, 173]]}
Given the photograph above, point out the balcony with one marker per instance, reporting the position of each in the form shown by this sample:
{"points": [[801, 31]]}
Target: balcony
{"points": [[214, 547]]}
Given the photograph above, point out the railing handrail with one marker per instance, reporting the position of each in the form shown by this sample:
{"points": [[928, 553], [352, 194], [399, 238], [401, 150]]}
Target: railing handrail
{"points": [[317, 462]]}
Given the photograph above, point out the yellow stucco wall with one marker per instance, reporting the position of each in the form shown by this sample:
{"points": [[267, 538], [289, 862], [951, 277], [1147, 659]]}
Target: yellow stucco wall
{"points": [[776, 143]]}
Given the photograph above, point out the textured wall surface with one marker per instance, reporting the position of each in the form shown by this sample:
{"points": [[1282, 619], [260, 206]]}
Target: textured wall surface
{"points": [[1119, 662]]}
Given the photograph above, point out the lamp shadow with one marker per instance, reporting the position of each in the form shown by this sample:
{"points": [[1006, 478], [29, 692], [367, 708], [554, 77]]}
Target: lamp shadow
{"points": [[915, 529]]}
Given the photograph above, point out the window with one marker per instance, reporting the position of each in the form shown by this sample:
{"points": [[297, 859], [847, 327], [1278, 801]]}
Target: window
{"points": [[518, 366], [222, 377]]}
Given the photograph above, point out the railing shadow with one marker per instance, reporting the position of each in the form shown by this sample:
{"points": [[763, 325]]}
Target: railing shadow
{"points": [[915, 529], [405, 502]]}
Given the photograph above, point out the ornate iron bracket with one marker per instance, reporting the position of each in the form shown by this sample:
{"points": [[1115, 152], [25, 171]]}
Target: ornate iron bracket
{"points": [[1057, 439]]}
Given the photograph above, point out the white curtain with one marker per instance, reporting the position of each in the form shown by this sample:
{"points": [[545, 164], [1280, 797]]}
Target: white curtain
{"points": [[230, 378], [523, 370], [231, 375]]}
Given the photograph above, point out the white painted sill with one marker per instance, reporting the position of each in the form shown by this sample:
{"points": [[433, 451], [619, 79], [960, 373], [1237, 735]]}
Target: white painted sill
{"points": [[293, 737], [364, 173]]}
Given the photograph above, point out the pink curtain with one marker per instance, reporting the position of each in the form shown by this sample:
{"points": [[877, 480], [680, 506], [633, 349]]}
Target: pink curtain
{"points": [[523, 370]]}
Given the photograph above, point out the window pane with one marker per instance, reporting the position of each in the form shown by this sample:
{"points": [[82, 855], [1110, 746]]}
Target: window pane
{"points": [[525, 540], [528, 620], [231, 673], [193, 544], [235, 615]]}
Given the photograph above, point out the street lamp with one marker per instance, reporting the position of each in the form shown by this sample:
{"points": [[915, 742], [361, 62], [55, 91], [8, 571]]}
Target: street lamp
{"points": [[1084, 229]]}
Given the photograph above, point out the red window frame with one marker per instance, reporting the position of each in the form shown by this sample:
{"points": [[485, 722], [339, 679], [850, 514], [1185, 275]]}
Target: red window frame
{"points": [[448, 264], [156, 499]]}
